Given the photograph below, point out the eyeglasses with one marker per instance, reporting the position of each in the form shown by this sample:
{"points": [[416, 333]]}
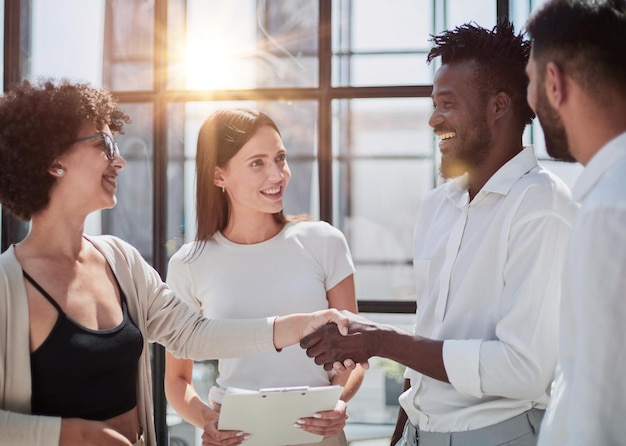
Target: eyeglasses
{"points": [[110, 148]]}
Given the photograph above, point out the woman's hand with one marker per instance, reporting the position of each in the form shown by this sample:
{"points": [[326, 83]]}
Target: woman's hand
{"points": [[213, 436], [290, 329], [326, 423], [320, 318], [79, 432]]}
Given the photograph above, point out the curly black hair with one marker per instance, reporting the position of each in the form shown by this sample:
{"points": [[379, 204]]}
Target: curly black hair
{"points": [[500, 58], [38, 122]]}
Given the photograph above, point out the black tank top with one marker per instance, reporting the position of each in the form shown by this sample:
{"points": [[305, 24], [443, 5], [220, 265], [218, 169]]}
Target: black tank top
{"points": [[83, 373]]}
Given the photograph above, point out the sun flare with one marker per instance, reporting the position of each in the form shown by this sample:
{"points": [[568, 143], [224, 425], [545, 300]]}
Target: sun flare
{"points": [[213, 67]]}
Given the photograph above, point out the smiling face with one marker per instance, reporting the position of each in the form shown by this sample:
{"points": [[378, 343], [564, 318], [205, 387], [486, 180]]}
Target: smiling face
{"points": [[87, 174], [459, 119], [256, 177], [557, 145]]}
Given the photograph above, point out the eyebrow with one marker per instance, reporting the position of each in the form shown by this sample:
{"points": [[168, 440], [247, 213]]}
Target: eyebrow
{"points": [[263, 155], [443, 93]]}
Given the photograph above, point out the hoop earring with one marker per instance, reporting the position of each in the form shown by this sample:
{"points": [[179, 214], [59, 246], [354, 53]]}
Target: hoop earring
{"points": [[223, 189], [60, 171]]}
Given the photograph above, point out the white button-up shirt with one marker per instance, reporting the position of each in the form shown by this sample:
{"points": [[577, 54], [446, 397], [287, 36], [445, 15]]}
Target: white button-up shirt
{"points": [[488, 276], [589, 402]]}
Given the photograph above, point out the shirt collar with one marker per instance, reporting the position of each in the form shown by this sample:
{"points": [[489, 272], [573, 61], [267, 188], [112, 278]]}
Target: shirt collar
{"points": [[595, 169], [500, 182]]}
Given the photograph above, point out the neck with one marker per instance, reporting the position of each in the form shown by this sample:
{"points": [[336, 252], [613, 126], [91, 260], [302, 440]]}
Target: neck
{"points": [[500, 155], [587, 139], [53, 237], [250, 231]]}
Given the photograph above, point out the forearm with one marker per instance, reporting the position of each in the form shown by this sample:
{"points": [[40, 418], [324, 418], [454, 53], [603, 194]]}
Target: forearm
{"points": [[351, 382], [290, 329], [18, 429], [420, 354], [185, 400]]}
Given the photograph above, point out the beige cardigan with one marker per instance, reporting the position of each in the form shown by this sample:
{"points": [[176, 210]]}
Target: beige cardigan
{"points": [[160, 316]]}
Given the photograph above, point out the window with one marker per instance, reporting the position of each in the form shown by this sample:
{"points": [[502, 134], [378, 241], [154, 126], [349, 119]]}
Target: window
{"points": [[347, 83]]}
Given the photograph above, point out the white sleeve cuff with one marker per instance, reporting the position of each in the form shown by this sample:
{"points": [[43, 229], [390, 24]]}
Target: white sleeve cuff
{"points": [[461, 361], [265, 335]]}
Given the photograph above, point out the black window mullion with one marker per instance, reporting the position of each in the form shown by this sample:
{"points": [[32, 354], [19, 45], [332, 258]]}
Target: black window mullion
{"points": [[324, 125], [159, 203]]}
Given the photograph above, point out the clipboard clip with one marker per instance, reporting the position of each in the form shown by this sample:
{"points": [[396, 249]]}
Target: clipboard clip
{"points": [[284, 389]]}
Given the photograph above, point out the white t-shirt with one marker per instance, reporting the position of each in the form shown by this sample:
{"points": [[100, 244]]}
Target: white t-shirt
{"points": [[289, 273], [488, 275], [589, 401]]}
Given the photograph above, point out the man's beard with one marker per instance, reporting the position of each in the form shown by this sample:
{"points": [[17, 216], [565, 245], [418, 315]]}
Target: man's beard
{"points": [[471, 151], [554, 134]]}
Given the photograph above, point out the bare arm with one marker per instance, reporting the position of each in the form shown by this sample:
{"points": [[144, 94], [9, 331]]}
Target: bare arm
{"points": [[180, 391]]}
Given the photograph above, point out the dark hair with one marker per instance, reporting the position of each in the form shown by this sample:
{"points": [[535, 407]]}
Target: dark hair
{"points": [[221, 136], [586, 39], [38, 123], [500, 58]]}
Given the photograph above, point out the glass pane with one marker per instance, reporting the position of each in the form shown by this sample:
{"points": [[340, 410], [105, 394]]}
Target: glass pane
{"points": [[383, 127], [129, 45], [389, 69], [374, 44], [393, 24], [384, 202], [518, 12], [243, 44], [131, 218], [385, 164], [177, 167], [458, 12], [67, 45]]}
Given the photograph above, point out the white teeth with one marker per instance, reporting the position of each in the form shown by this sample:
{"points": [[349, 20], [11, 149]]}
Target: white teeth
{"points": [[445, 136], [272, 191]]}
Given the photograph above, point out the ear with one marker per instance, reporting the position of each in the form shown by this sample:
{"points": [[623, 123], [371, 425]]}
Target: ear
{"points": [[56, 169], [555, 85], [218, 177], [501, 104]]}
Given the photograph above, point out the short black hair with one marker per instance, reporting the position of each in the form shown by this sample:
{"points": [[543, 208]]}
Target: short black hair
{"points": [[500, 56], [38, 122], [586, 39]]}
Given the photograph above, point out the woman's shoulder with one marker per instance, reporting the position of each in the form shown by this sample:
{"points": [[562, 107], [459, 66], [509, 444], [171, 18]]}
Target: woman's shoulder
{"points": [[191, 251], [111, 242], [314, 229], [115, 249]]}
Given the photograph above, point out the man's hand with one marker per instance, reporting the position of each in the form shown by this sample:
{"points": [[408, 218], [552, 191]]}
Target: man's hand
{"points": [[329, 347]]}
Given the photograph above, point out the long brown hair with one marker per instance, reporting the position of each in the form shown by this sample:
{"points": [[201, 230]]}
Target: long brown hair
{"points": [[221, 136]]}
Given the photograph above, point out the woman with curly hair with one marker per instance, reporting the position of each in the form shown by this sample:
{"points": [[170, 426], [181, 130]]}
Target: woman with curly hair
{"points": [[77, 311]]}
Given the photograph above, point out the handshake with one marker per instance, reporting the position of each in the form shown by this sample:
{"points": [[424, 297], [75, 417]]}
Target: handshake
{"points": [[333, 350]]}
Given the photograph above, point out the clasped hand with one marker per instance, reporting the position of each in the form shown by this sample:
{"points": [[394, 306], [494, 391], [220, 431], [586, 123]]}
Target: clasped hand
{"points": [[342, 351]]}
